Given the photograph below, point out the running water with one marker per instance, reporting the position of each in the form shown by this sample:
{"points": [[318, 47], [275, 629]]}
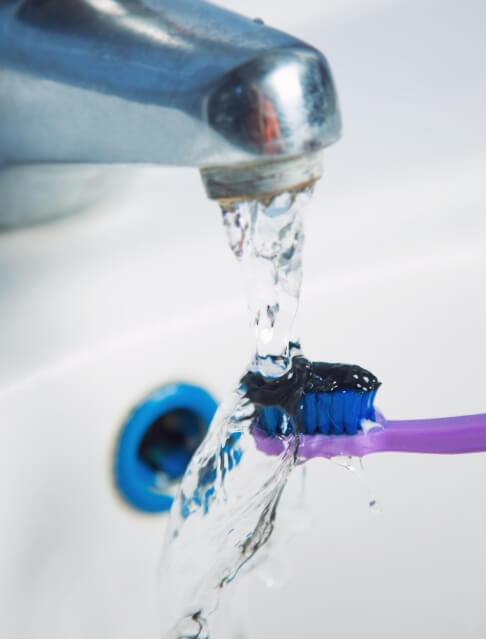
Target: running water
{"points": [[268, 241], [226, 506]]}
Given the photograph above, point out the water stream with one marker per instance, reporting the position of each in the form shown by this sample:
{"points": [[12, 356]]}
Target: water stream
{"points": [[226, 506]]}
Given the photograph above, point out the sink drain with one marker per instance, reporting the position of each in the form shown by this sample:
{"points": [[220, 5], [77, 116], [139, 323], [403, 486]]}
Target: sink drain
{"points": [[157, 442]]}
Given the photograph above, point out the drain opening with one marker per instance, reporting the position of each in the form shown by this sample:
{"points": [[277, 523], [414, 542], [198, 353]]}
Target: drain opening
{"points": [[156, 444], [171, 441]]}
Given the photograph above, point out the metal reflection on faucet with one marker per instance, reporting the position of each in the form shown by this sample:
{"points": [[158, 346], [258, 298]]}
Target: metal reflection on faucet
{"points": [[261, 123], [113, 7], [172, 82]]}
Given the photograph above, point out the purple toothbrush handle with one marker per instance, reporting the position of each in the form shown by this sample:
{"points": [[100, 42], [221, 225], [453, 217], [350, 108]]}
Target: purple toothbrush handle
{"points": [[441, 436]]}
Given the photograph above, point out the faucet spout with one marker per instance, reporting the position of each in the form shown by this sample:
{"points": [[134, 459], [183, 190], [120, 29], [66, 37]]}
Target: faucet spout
{"points": [[172, 82]]}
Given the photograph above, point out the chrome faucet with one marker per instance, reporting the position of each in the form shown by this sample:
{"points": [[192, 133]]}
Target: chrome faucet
{"points": [[172, 82]]}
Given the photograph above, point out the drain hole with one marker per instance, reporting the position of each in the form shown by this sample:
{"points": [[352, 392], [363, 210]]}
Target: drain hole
{"points": [[170, 442], [156, 444]]}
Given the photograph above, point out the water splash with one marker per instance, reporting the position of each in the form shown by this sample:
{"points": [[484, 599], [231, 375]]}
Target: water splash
{"points": [[226, 506]]}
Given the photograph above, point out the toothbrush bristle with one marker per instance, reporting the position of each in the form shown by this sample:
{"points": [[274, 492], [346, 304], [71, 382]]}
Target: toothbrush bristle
{"points": [[338, 399]]}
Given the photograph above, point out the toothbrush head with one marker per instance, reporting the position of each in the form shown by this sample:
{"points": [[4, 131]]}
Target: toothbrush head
{"points": [[314, 397]]}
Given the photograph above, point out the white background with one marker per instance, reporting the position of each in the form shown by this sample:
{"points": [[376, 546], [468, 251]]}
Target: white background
{"points": [[98, 309]]}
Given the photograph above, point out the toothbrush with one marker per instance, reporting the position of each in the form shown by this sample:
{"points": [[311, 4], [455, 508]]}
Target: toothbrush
{"points": [[335, 415]]}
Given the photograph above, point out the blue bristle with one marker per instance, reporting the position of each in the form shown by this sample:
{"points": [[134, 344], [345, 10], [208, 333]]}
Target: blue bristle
{"points": [[338, 412], [370, 412], [352, 412], [365, 400], [341, 411], [309, 420], [271, 419], [337, 415], [324, 412]]}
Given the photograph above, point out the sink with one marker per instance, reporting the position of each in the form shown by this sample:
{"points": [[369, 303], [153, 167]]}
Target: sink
{"points": [[100, 308]]}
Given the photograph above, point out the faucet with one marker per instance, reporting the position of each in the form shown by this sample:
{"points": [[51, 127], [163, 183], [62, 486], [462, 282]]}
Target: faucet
{"points": [[90, 83]]}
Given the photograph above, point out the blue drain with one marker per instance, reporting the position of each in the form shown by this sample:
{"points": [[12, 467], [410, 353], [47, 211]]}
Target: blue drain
{"points": [[157, 442]]}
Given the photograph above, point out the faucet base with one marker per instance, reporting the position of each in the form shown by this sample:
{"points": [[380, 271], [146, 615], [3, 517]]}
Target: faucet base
{"points": [[261, 181]]}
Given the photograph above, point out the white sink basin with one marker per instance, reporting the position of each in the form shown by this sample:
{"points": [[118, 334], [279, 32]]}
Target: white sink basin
{"points": [[99, 309]]}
